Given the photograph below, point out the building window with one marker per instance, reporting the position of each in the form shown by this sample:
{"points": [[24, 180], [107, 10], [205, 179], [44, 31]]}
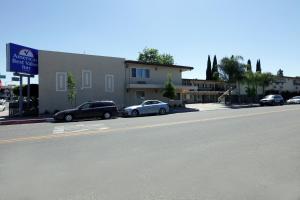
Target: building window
{"points": [[109, 83], [140, 94], [133, 72], [140, 73], [61, 81], [86, 79]]}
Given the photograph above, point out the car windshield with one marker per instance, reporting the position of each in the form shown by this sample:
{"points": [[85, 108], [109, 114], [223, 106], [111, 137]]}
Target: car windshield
{"points": [[298, 97], [83, 106], [269, 96], [146, 103]]}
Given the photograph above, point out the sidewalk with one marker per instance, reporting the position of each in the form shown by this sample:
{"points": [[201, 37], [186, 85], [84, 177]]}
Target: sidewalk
{"points": [[5, 120], [218, 106]]}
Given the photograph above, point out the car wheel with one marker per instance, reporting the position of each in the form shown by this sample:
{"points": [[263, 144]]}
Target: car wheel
{"points": [[68, 118], [107, 115], [135, 113], [162, 111]]}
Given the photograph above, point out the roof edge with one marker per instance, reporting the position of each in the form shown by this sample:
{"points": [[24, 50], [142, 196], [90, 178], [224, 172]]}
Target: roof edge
{"points": [[162, 65]]}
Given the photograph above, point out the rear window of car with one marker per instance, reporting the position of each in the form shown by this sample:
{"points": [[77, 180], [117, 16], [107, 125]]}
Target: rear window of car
{"points": [[103, 104], [155, 102], [269, 97]]}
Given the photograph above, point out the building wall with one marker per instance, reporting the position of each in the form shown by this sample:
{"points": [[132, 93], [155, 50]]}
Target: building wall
{"points": [[280, 84], [207, 91], [52, 62], [158, 74], [285, 84]]}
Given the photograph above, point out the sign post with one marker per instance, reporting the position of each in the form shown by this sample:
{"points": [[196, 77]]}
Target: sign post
{"points": [[21, 96], [24, 62], [28, 91]]}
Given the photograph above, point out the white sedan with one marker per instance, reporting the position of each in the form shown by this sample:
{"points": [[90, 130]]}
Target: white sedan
{"points": [[2, 105], [147, 107], [294, 100]]}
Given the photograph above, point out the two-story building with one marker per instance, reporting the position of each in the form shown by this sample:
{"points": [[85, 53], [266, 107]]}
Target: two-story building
{"points": [[284, 83], [278, 85], [147, 81], [203, 91], [102, 78]]}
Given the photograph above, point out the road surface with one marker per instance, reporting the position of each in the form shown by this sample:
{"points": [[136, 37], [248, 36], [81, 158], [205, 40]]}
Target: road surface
{"points": [[251, 153]]}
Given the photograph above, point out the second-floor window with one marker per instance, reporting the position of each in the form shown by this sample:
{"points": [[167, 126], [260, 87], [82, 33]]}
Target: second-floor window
{"points": [[86, 79], [140, 73], [109, 83], [61, 81]]}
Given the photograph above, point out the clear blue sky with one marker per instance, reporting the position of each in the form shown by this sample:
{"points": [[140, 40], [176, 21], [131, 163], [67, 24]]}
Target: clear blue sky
{"points": [[190, 30]]}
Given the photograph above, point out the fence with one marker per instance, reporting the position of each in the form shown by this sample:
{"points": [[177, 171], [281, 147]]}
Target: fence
{"points": [[29, 109]]}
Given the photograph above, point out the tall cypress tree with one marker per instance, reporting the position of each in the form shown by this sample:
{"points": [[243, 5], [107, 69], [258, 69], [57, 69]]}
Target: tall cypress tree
{"points": [[208, 69], [258, 66], [249, 67], [214, 71]]}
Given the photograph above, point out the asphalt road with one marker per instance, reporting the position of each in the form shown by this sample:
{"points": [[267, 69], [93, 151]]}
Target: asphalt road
{"points": [[251, 153]]}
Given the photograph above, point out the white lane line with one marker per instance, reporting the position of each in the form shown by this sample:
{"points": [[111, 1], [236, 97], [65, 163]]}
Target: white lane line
{"points": [[76, 131], [78, 128], [58, 130]]}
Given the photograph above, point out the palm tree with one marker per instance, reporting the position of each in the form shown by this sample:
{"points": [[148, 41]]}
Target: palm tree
{"points": [[265, 80], [232, 70]]}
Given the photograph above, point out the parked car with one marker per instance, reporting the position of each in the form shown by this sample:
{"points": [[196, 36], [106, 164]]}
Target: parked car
{"points": [[2, 100], [97, 109], [294, 100], [147, 107], [2, 105], [272, 100]]}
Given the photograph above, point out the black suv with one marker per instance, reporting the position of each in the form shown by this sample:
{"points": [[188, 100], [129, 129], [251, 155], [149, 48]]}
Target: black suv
{"points": [[272, 100], [96, 109]]}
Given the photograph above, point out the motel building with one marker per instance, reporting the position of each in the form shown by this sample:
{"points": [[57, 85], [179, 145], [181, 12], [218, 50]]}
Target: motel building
{"points": [[123, 81]]}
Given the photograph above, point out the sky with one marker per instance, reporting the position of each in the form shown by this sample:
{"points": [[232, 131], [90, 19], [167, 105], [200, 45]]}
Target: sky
{"points": [[190, 30]]}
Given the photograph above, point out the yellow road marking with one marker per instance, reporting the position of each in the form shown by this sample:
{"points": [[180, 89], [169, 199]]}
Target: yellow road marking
{"points": [[83, 132]]}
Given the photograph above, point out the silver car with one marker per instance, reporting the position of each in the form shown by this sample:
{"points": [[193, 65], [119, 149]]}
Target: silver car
{"points": [[147, 107], [294, 100]]}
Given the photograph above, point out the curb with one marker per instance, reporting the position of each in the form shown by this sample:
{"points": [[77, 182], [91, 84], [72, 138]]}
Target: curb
{"points": [[244, 106], [24, 121]]}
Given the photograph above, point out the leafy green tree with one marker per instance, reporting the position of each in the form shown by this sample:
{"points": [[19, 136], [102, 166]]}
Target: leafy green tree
{"points": [[280, 73], [208, 69], [34, 90], [214, 71], [166, 59], [169, 91], [151, 55], [249, 67], [71, 86], [258, 66]]}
